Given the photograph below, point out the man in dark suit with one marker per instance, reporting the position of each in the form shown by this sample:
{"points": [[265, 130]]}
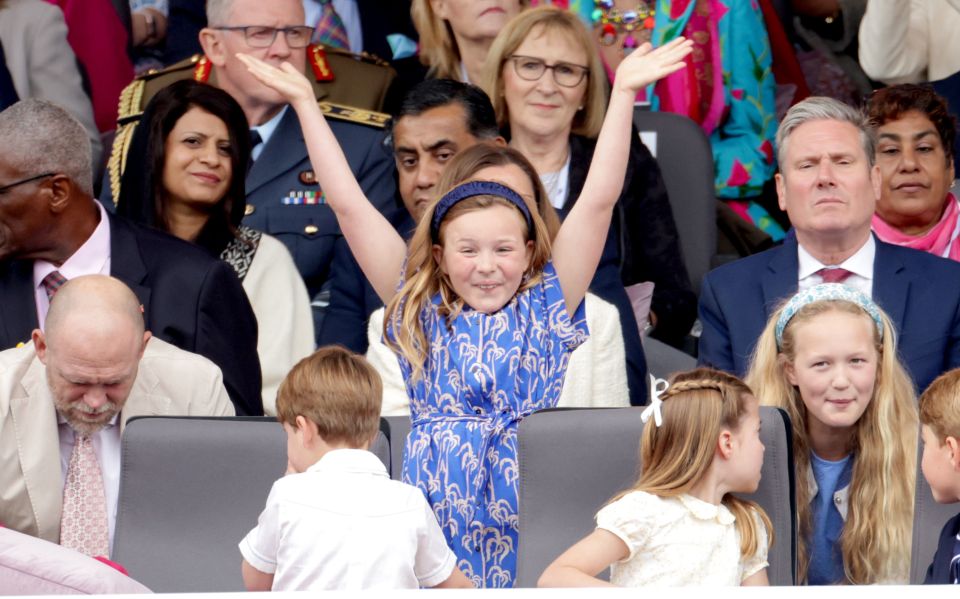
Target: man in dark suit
{"points": [[829, 186], [283, 197], [52, 229]]}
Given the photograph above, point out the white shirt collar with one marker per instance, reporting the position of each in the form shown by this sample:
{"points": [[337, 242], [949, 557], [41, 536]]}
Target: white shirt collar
{"points": [[860, 264], [350, 460], [266, 130]]}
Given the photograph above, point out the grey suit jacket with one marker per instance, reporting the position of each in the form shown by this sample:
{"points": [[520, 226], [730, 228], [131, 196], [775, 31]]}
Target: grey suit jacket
{"points": [[41, 62], [170, 382]]}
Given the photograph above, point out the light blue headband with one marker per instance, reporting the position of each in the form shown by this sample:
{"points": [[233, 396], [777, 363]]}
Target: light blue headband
{"points": [[822, 293]]}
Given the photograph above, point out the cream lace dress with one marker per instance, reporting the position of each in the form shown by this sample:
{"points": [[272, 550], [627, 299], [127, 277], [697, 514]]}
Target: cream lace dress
{"points": [[676, 541]]}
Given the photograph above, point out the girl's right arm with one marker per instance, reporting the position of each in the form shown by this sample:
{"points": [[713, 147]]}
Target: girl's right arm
{"points": [[378, 248], [579, 565]]}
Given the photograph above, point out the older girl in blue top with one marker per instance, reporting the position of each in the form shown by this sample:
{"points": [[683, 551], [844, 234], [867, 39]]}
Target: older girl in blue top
{"points": [[487, 312], [828, 357]]}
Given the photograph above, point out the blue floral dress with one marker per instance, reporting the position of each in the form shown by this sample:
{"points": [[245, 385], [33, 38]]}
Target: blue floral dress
{"points": [[484, 373]]}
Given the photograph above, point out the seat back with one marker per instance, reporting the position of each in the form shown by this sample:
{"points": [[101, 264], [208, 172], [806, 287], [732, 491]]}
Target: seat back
{"points": [[190, 490], [686, 164], [573, 461], [397, 429], [664, 360], [928, 519]]}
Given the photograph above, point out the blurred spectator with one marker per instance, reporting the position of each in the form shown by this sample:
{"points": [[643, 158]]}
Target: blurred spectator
{"points": [[915, 156], [195, 145], [455, 35], [100, 37], [52, 229], [42, 64], [908, 41], [728, 88], [8, 93], [148, 31], [96, 364]]}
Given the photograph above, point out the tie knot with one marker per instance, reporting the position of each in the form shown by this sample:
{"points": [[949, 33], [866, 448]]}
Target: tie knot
{"points": [[834, 275], [255, 138], [52, 283]]}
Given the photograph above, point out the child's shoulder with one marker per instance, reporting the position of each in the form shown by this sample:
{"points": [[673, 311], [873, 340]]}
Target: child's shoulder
{"points": [[642, 505]]}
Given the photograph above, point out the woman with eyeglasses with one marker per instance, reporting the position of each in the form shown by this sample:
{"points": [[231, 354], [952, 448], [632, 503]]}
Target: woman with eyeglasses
{"points": [[196, 147], [549, 91]]}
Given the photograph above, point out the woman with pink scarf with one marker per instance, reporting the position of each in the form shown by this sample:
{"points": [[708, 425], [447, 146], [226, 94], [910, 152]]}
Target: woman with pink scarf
{"points": [[915, 155]]}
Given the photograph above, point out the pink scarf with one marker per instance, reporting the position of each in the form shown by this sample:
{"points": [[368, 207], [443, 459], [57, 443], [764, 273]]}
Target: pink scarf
{"points": [[941, 240]]}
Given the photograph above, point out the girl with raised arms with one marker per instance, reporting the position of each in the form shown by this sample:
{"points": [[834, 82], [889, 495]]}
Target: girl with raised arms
{"points": [[486, 312]]}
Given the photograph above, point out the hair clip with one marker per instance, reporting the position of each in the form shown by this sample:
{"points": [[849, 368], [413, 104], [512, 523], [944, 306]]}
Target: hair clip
{"points": [[657, 388]]}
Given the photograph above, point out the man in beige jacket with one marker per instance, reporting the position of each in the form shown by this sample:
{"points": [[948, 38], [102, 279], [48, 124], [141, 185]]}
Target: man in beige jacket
{"points": [[92, 369]]}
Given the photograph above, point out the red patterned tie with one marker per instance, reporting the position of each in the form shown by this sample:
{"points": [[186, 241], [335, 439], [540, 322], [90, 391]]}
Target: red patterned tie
{"points": [[83, 522], [52, 283], [834, 275], [329, 30]]}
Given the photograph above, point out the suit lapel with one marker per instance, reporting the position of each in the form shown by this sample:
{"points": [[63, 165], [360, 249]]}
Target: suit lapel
{"points": [[33, 415], [126, 263], [891, 283], [18, 310], [284, 149], [779, 280]]}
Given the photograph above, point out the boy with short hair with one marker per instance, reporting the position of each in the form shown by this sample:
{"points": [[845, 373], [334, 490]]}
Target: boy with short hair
{"points": [[940, 431], [338, 521]]}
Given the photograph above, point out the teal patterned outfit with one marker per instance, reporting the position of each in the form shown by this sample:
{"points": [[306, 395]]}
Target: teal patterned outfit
{"points": [[485, 372]]}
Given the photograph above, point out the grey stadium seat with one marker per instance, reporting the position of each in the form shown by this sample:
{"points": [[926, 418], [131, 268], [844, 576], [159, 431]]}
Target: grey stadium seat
{"points": [[686, 163], [190, 489], [573, 461]]}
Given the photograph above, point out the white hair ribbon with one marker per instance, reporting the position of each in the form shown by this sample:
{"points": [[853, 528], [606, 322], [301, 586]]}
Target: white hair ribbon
{"points": [[657, 388]]}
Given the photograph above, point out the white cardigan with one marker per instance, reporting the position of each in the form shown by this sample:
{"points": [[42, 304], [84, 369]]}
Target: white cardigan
{"points": [[284, 321], [596, 376]]}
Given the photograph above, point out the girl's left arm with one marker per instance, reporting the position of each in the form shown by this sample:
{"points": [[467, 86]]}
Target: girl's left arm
{"points": [[756, 580], [577, 248], [579, 565]]}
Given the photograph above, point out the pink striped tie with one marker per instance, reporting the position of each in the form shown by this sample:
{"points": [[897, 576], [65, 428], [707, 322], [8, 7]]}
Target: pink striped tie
{"points": [[83, 522], [834, 275]]}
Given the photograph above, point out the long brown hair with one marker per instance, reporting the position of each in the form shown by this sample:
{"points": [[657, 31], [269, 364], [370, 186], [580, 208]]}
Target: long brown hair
{"points": [[674, 456], [876, 537], [423, 278]]}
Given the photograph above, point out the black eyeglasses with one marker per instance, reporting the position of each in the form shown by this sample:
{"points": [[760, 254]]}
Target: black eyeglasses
{"points": [[6, 188], [258, 36], [564, 73]]}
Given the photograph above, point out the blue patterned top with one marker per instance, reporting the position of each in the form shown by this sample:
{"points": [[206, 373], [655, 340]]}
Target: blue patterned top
{"points": [[484, 373]]}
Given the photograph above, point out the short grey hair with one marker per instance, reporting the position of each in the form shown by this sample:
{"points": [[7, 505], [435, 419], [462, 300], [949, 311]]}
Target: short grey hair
{"points": [[820, 108], [41, 137], [218, 12]]}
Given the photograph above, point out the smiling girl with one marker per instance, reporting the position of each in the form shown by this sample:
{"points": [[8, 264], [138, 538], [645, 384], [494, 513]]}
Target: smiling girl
{"points": [[828, 357], [486, 313]]}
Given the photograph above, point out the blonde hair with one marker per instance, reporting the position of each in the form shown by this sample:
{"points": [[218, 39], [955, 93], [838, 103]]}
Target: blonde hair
{"points": [[538, 22], [338, 391], [438, 46], [940, 405], [876, 537], [675, 456], [423, 278]]}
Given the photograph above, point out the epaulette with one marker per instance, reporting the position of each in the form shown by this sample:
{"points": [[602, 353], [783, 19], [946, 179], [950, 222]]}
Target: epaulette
{"points": [[354, 115]]}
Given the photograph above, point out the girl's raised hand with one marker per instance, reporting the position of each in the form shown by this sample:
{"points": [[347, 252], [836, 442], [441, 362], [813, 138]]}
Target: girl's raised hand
{"points": [[286, 80], [645, 65]]}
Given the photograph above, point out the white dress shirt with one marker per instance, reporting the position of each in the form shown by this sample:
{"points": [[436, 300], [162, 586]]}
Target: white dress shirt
{"points": [[91, 258], [860, 264], [106, 446]]}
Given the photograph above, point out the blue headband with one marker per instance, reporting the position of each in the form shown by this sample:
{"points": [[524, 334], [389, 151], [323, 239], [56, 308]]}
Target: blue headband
{"points": [[822, 293], [473, 189]]}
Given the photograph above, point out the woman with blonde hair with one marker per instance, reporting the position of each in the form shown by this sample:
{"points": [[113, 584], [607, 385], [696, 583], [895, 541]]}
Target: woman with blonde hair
{"points": [[828, 357], [548, 89], [455, 35]]}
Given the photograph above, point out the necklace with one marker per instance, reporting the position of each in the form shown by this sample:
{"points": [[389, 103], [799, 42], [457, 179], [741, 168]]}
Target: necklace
{"points": [[636, 25]]}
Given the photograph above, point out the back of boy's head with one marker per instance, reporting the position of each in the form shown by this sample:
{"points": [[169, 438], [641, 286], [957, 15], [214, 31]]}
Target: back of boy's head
{"points": [[337, 390], [940, 405], [696, 406]]}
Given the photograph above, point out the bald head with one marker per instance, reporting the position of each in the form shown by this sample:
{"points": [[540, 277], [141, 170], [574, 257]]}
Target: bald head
{"points": [[92, 344]]}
